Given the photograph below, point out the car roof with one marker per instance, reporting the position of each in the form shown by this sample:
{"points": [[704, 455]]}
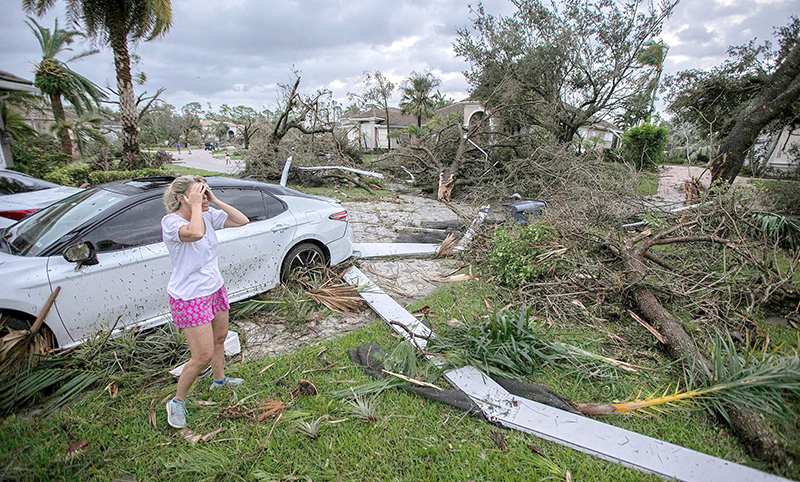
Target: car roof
{"points": [[133, 187]]}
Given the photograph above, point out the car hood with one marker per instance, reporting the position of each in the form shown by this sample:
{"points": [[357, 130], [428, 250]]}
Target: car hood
{"points": [[36, 199]]}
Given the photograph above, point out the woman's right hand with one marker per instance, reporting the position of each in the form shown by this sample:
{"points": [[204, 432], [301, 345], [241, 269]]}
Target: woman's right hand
{"points": [[194, 196]]}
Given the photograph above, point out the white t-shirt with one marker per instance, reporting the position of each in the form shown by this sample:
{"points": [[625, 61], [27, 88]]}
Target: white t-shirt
{"points": [[195, 272]]}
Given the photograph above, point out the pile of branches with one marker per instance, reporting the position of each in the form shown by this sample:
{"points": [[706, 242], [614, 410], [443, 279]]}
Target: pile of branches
{"points": [[712, 268], [266, 160]]}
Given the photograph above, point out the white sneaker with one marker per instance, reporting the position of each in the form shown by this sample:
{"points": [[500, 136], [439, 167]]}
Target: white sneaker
{"points": [[226, 382], [176, 413]]}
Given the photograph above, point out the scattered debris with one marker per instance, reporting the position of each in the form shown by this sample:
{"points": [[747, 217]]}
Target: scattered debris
{"points": [[343, 168], [77, 446], [584, 434], [448, 244], [304, 388], [466, 240], [499, 440]]}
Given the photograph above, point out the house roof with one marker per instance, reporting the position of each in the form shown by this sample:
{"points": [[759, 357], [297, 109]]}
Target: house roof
{"points": [[11, 82], [396, 117]]}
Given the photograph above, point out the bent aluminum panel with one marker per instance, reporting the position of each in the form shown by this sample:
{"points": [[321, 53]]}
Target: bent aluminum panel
{"points": [[590, 436], [378, 250], [389, 309]]}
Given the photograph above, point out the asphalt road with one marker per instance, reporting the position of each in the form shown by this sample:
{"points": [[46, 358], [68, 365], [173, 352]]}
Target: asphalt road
{"points": [[201, 159]]}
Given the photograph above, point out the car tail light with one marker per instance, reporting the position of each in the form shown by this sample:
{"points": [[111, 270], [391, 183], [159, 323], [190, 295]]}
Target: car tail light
{"points": [[340, 216], [17, 215]]}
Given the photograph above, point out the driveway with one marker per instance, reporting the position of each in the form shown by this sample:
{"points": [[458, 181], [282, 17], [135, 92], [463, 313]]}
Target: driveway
{"points": [[672, 178], [201, 159]]}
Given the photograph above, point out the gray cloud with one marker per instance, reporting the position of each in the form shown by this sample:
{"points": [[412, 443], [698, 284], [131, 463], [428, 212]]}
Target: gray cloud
{"points": [[237, 51]]}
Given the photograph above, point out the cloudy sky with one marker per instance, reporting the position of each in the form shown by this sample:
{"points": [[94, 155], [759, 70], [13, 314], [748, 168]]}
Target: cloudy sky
{"points": [[237, 51]]}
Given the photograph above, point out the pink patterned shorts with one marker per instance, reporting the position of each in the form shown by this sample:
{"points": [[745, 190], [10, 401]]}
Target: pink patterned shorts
{"points": [[198, 311]]}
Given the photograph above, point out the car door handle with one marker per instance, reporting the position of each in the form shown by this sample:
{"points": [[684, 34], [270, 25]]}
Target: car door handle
{"points": [[279, 227]]}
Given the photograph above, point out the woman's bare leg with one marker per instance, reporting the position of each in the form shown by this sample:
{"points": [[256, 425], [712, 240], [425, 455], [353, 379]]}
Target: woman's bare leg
{"points": [[201, 345], [220, 327]]}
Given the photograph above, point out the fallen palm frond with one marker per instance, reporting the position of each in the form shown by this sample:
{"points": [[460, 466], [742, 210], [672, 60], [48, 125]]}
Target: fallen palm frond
{"points": [[448, 243], [779, 228], [19, 346], [337, 296], [62, 377], [512, 346], [282, 301], [756, 384]]}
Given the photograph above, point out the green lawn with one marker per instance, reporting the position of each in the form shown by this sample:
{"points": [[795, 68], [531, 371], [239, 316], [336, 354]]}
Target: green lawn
{"points": [[648, 184], [413, 438]]}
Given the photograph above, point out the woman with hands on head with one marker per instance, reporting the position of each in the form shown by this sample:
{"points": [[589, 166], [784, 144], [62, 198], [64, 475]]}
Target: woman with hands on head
{"points": [[197, 297]]}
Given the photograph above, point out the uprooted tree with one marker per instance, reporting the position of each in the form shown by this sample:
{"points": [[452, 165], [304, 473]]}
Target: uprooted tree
{"points": [[754, 92]]}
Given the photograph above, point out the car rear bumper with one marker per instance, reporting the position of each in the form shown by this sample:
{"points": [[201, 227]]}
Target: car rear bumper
{"points": [[342, 248]]}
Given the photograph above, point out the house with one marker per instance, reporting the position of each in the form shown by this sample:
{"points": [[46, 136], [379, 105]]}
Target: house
{"points": [[785, 155], [209, 128], [10, 83], [369, 128], [600, 134]]}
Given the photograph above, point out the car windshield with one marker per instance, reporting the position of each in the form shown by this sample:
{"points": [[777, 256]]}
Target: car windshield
{"points": [[36, 232]]}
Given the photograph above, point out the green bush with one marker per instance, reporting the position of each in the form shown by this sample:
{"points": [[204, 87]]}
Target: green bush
{"points": [[72, 175], [643, 146], [38, 155], [80, 174], [513, 258], [782, 197], [99, 177]]}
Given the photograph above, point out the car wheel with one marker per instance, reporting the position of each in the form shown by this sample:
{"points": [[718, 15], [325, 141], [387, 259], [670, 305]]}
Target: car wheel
{"points": [[10, 322], [304, 256]]}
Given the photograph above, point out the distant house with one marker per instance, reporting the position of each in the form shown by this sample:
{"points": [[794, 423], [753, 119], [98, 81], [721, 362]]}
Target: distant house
{"points": [[600, 134], [782, 158], [10, 83], [209, 127], [369, 128]]}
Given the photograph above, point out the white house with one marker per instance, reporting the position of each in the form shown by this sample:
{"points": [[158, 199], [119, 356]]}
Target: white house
{"points": [[369, 128], [10, 83], [781, 158]]}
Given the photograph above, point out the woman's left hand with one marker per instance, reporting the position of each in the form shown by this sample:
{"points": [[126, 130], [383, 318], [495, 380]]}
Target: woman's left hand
{"points": [[211, 197]]}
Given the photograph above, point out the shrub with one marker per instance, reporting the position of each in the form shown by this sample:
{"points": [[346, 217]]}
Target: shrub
{"points": [[515, 252], [781, 196], [37, 155], [643, 146], [99, 177], [79, 174], [72, 175]]}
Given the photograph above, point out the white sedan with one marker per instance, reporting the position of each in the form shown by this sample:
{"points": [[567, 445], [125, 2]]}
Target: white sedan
{"points": [[103, 247], [21, 195]]}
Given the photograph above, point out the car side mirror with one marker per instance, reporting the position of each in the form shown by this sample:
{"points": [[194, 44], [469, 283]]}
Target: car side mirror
{"points": [[81, 253]]}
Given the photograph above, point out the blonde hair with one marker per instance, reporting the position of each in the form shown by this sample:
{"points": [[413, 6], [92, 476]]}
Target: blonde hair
{"points": [[179, 187]]}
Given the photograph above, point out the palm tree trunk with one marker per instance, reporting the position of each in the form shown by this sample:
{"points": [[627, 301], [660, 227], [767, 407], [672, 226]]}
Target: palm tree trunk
{"points": [[60, 118], [127, 103]]}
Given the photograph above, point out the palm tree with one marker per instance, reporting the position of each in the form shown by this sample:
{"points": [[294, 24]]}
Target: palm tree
{"points": [[418, 99], [88, 132], [116, 22], [653, 55], [56, 80]]}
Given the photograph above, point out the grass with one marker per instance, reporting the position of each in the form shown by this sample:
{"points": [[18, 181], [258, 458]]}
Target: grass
{"points": [[183, 170], [407, 437], [412, 438], [648, 184]]}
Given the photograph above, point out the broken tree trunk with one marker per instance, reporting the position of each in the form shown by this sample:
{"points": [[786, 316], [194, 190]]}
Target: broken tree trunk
{"points": [[751, 428]]}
